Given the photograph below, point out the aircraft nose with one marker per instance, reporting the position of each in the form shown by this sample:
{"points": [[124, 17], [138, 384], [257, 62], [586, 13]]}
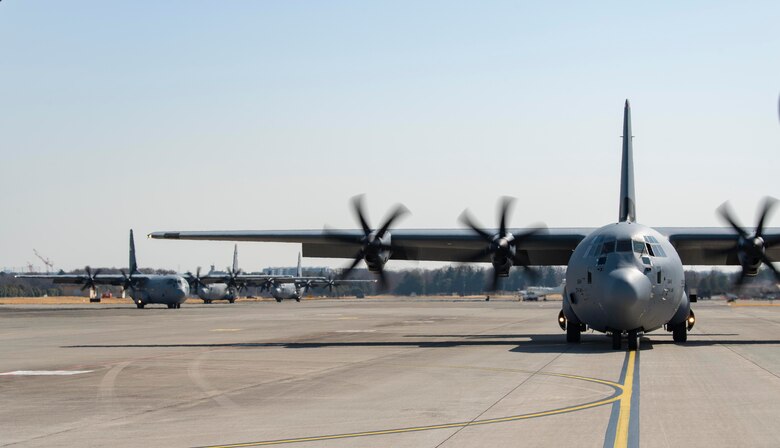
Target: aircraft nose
{"points": [[182, 291], [627, 292]]}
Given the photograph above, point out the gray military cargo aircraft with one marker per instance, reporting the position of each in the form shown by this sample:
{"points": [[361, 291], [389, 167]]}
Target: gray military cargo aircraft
{"points": [[295, 287], [622, 279], [225, 286], [170, 290]]}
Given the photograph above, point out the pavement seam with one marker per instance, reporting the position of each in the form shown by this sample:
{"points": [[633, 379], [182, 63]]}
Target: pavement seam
{"points": [[456, 432]]}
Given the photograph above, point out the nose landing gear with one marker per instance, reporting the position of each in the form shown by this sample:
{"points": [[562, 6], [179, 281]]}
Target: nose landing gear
{"points": [[632, 336]]}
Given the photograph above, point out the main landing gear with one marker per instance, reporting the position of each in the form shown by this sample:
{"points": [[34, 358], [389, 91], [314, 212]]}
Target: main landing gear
{"points": [[680, 333], [174, 305], [573, 333]]}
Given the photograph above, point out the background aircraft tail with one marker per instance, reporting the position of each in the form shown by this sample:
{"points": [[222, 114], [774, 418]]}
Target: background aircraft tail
{"points": [[299, 272], [235, 258], [627, 196], [133, 265]]}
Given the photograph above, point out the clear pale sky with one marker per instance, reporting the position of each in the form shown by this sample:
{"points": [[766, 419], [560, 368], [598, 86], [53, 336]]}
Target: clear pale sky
{"points": [[194, 115]]}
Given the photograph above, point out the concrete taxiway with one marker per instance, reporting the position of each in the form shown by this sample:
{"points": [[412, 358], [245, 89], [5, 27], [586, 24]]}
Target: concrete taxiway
{"points": [[391, 372]]}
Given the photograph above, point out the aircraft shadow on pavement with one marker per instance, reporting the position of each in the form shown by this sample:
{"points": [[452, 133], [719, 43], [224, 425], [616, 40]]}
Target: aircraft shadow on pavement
{"points": [[535, 343]]}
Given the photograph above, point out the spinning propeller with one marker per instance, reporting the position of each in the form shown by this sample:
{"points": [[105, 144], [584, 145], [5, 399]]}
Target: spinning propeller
{"points": [[195, 280], [232, 280], [89, 279], [375, 245], [751, 248], [502, 246], [128, 281]]}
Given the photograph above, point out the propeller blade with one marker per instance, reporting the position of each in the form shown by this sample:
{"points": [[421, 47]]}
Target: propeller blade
{"points": [[357, 208], [769, 202], [725, 213], [768, 263], [465, 219], [504, 210], [494, 281], [383, 285], [400, 210], [358, 258], [741, 278]]}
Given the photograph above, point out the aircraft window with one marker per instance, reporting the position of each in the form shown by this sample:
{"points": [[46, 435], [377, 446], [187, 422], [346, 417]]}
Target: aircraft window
{"points": [[639, 247], [590, 278], [608, 247], [659, 277], [602, 260], [646, 260], [658, 251], [624, 246], [594, 248], [650, 250], [650, 239]]}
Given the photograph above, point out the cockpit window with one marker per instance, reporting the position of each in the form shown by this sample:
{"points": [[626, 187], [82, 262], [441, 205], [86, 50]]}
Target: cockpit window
{"points": [[608, 247], [595, 247], [639, 247], [624, 246]]}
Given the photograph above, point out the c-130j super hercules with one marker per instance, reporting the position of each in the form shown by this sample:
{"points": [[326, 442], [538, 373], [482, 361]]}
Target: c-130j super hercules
{"points": [[624, 279]]}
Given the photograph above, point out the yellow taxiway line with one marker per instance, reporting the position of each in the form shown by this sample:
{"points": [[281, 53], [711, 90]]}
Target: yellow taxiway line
{"points": [[619, 394], [621, 437]]}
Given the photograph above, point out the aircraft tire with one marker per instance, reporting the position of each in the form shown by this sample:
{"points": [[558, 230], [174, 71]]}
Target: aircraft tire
{"points": [[278, 300], [633, 340], [616, 340], [140, 306], [207, 301], [680, 334], [298, 299], [231, 300], [572, 333], [171, 306]]}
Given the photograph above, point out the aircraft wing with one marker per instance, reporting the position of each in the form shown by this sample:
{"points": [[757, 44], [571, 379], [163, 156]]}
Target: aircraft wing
{"points": [[696, 245], [709, 245], [80, 279], [553, 247]]}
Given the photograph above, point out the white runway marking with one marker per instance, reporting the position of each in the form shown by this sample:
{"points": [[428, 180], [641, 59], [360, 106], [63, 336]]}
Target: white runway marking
{"points": [[355, 331], [45, 372]]}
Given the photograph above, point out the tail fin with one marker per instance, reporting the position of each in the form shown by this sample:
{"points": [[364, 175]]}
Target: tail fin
{"points": [[627, 196], [299, 272], [133, 265], [235, 258]]}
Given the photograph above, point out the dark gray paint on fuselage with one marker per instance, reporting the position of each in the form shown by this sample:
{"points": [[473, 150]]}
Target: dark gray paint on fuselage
{"points": [[162, 289]]}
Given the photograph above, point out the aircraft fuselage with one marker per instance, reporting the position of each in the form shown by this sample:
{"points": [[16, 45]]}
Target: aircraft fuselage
{"points": [[625, 277], [164, 289], [217, 291], [286, 291]]}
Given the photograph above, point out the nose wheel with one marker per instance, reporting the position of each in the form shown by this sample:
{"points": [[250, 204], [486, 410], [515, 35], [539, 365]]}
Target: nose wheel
{"points": [[633, 340], [617, 339]]}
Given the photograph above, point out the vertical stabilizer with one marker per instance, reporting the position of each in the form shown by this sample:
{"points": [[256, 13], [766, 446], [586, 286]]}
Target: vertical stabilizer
{"points": [[235, 258], [133, 265], [299, 272], [627, 196]]}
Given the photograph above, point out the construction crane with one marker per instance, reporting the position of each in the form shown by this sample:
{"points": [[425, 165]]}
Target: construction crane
{"points": [[49, 264]]}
